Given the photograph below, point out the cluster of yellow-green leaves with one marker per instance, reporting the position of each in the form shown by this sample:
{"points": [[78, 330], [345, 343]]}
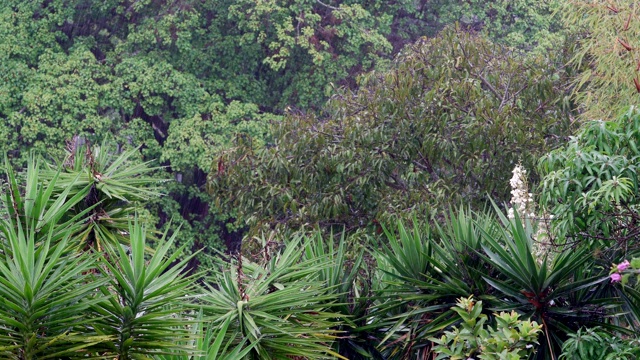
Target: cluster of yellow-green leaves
{"points": [[511, 339]]}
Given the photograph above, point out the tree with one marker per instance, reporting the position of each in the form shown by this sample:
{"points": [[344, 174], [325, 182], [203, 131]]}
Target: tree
{"points": [[606, 55], [454, 115], [281, 306], [113, 188], [521, 23], [177, 78]]}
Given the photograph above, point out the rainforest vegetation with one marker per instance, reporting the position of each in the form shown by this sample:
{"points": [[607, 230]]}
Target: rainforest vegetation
{"points": [[306, 179]]}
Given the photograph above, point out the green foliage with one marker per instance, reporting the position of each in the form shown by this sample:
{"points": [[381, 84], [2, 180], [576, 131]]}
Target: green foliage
{"points": [[59, 302], [36, 204], [606, 54], [551, 293], [203, 229], [511, 339], [46, 294], [111, 70], [596, 343], [420, 275], [280, 304], [197, 141], [113, 188], [347, 278], [307, 297], [458, 247], [626, 274], [145, 302], [311, 44], [45, 298], [591, 184], [455, 113], [521, 23], [181, 79], [209, 343]]}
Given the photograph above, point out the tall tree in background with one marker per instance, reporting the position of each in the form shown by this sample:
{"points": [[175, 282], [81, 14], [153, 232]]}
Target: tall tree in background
{"points": [[450, 120], [518, 23], [179, 78]]}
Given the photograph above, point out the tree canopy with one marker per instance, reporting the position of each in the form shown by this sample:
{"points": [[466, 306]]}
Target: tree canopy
{"points": [[445, 125], [181, 79]]}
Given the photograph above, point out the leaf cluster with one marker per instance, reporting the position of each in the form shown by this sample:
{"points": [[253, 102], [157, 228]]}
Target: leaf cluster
{"points": [[606, 55], [60, 302], [512, 338], [590, 184], [596, 343], [280, 305]]}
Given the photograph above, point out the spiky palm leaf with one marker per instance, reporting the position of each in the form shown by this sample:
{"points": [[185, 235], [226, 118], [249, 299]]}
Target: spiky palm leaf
{"points": [[32, 201], [209, 343], [346, 278], [280, 306], [113, 187], [46, 295], [147, 299], [550, 294], [46, 290], [423, 274]]}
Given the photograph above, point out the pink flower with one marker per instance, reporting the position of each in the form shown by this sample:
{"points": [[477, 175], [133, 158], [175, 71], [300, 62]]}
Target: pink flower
{"points": [[615, 277], [623, 265]]}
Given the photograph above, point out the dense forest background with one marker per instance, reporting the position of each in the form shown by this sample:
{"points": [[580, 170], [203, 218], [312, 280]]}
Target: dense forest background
{"points": [[319, 179], [184, 80]]}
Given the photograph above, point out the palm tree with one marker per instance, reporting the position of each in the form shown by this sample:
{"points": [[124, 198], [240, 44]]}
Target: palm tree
{"points": [[280, 305]]}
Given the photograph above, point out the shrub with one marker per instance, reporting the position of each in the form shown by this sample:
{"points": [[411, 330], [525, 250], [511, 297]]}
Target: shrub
{"points": [[597, 343], [511, 339], [279, 305], [591, 184]]}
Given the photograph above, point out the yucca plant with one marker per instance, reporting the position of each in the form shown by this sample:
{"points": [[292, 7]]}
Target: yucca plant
{"points": [[423, 273], [46, 290], [46, 296], [147, 299], [347, 279], [457, 250], [209, 343], [62, 303], [113, 187], [406, 313], [279, 305], [28, 201], [549, 293]]}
